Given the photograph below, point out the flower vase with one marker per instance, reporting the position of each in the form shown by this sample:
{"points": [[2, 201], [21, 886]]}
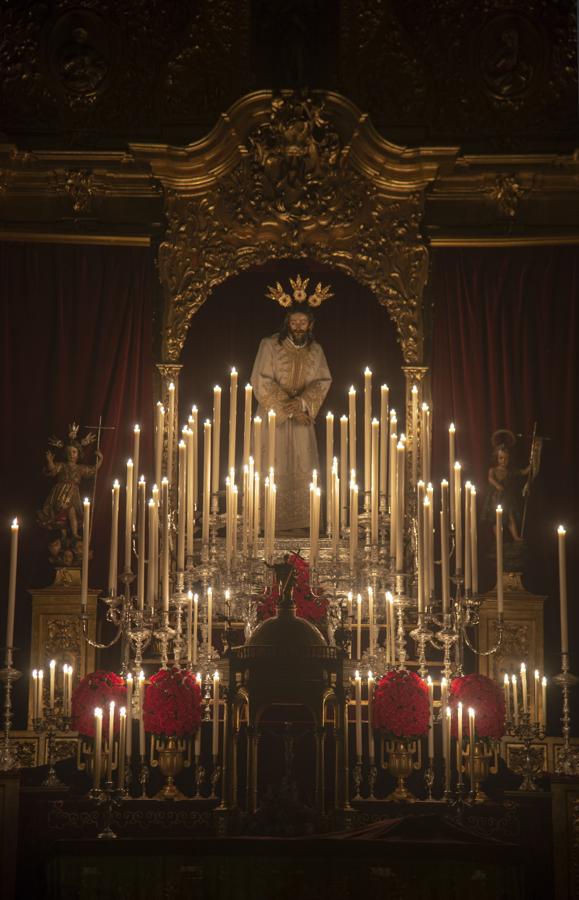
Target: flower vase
{"points": [[171, 763], [400, 765]]}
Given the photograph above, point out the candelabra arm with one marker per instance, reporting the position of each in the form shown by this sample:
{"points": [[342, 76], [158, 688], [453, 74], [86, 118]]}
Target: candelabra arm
{"points": [[91, 643], [492, 649]]}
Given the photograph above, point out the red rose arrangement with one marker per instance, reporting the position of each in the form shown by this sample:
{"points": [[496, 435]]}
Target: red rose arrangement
{"points": [[401, 705], [308, 606], [486, 698], [97, 689], [172, 704]]}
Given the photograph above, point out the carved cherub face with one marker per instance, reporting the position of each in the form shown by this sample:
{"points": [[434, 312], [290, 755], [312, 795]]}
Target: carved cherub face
{"points": [[503, 457]]}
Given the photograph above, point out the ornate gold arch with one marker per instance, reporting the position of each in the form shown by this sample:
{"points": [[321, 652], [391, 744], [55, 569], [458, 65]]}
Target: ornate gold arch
{"points": [[294, 176]]}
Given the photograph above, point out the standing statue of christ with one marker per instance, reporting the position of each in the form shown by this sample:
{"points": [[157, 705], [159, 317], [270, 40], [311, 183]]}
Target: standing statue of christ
{"points": [[291, 376]]}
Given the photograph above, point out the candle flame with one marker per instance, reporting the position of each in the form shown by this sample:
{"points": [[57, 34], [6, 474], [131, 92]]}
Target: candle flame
{"points": [[414, 389], [561, 530], [14, 523], [98, 712], [137, 429], [122, 712]]}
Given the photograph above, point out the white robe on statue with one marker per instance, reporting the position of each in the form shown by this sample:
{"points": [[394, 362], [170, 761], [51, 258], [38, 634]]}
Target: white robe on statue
{"points": [[281, 373]]}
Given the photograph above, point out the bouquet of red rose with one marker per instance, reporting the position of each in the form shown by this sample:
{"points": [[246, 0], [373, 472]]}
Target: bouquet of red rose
{"points": [[172, 704], [401, 705], [486, 698], [308, 606], [97, 689]]}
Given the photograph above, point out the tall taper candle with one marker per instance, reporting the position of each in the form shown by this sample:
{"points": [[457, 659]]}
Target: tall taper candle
{"points": [[400, 468], [367, 434], [51, 683], [257, 448], [206, 482], [458, 517], [430, 717], [151, 582], [329, 461], [210, 618], [98, 745], [425, 442], [232, 419], [471, 721], [190, 486], [85, 554], [122, 747], [159, 431], [129, 515], [393, 491], [12, 591], [467, 543], [141, 699], [182, 506], [561, 532], [353, 523], [194, 425], [142, 504], [344, 481], [444, 547], [165, 544], [271, 417], [136, 456], [371, 746], [352, 425], [359, 626], [384, 396], [129, 715], [473, 540], [414, 426], [111, 742], [499, 545], [451, 462], [375, 481], [216, 440], [247, 424], [195, 626], [170, 433], [215, 742], [114, 550], [358, 696]]}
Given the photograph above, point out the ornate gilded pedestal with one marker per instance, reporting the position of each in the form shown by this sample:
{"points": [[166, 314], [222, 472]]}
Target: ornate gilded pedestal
{"points": [[523, 635]]}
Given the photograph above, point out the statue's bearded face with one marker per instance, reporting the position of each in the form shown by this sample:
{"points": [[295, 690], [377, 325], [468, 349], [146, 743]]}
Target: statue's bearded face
{"points": [[299, 325]]}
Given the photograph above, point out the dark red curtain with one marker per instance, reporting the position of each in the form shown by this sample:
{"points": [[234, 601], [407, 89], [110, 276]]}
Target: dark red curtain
{"points": [[75, 344], [504, 354]]}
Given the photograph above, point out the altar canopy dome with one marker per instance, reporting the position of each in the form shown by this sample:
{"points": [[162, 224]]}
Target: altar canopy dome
{"points": [[286, 632]]}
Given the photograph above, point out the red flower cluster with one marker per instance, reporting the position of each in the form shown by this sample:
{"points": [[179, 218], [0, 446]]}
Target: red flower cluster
{"points": [[172, 704], [308, 606], [486, 698], [401, 707], [97, 689]]}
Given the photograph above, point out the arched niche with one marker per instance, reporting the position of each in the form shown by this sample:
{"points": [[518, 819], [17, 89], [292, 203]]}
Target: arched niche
{"points": [[294, 176]]}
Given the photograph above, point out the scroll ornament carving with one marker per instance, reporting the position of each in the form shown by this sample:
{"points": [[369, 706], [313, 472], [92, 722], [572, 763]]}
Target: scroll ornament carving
{"points": [[294, 194], [507, 193], [63, 634], [78, 185]]}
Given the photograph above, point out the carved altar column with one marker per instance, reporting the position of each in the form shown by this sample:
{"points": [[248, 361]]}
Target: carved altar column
{"points": [[57, 629], [169, 375]]}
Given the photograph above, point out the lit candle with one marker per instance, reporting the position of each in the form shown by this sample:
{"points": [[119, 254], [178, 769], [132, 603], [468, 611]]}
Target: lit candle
{"points": [[170, 432], [151, 574], [353, 523], [473, 541], [271, 421], [384, 396], [257, 444], [69, 690], [129, 515], [122, 747], [352, 425], [194, 426], [563, 590], [414, 426], [85, 555], [51, 684], [467, 545], [113, 556], [426, 551], [189, 628], [195, 625], [451, 462], [367, 433], [129, 715], [458, 517], [141, 488], [98, 743], [35, 693], [499, 545], [459, 743], [524, 686], [111, 740], [216, 434], [142, 746], [358, 694], [536, 696], [40, 693], [444, 547], [471, 729], [370, 621], [12, 591], [247, 424], [443, 692], [64, 688], [544, 702], [447, 732], [344, 471], [210, 619], [159, 431], [206, 482], [515, 700], [215, 744], [359, 627], [425, 442], [190, 482], [375, 484], [390, 601], [430, 718], [182, 506], [136, 455], [400, 452], [329, 462], [507, 693], [256, 509], [429, 536], [393, 491], [165, 546], [371, 746], [232, 418]]}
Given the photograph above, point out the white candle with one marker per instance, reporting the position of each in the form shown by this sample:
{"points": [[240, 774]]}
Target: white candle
{"points": [[210, 619], [165, 544], [473, 540], [122, 747], [51, 682], [329, 462], [358, 694], [414, 432], [375, 484], [458, 517], [40, 693], [247, 424], [370, 621], [400, 452], [206, 482], [371, 746], [446, 745], [129, 515], [359, 627], [467, 544], [216, 434], [499, 545], [194, 426], [256, 509], [232, 418], [257, 444], [35, 693], [344, 472], [426, 551], [459, 743], [515, 700], [111, 740], [136, 456], [114, 550], [451, 462], [471, 730], [271, 421], [141, 488], [12, 590], [563, 589], [159, 431], [430, 718], [69, 690], [524, 686], [384, 396], [536, 696], [444, 547], [129, 715], [392, 636], [64, 687], [98, 743], [352, 425], [425, 443], [195, 626], [151, 574], [507, 694], [171, 432], [367, 433], [353, 523], [215, 743], [182, 506], [142, 746], [85, 555], [393, 492], [544, 702]]}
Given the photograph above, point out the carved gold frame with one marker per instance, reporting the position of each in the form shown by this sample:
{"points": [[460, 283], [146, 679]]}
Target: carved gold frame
{"points": [[285, 176]]}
